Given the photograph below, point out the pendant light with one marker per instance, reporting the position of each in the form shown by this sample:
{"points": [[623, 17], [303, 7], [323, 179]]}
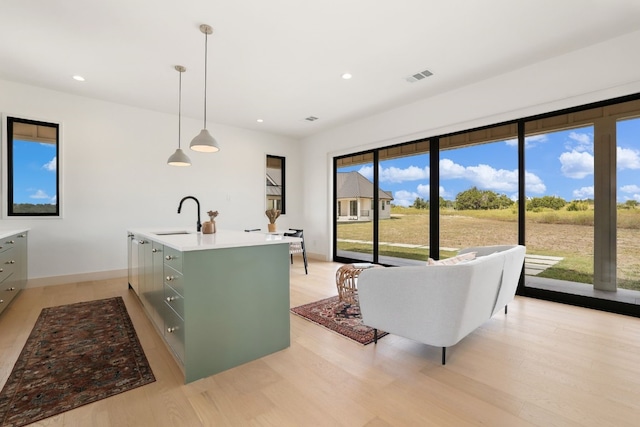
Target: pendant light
{"points": [[179, 158], [204, 141]]}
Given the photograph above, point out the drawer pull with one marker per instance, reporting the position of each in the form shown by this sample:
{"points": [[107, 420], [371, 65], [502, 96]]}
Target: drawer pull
{"points": [[1, 301], [10, 289], [10, 262], [169, 299], [169, 257], [1, 270], [170, 278], [172, 329], [155, 250], [21, 235], [11, 242]]}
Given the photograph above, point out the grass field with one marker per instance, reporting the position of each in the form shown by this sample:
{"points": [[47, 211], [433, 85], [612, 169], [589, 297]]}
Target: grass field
{"points": [[559, 233]]}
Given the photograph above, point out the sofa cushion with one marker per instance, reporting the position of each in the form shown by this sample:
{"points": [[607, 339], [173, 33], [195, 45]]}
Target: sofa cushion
{"points": [[453, 260]]}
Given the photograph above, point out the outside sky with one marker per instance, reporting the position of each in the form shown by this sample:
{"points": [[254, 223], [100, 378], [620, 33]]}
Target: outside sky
{"points": [[557, 164], [34, 168]]}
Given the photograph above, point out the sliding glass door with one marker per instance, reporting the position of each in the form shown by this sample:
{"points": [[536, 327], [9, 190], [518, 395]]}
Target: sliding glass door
{"points": [[354, 205], [628, 204], [560, 207]]}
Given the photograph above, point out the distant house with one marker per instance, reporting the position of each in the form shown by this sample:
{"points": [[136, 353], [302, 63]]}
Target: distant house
{"points": [[355, 198]]}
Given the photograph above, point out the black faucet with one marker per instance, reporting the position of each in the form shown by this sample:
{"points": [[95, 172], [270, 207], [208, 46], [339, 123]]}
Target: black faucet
{"points": [[198, 225]]}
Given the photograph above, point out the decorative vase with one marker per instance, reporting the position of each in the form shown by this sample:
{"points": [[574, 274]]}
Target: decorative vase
{"points": [[272, 227], [208, 227]]}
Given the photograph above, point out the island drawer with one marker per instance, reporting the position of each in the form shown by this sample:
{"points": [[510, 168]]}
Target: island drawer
{"points": [[174, 300], [7, 291], [174, 279], [7, 263], [174, 331], [173, 258]]}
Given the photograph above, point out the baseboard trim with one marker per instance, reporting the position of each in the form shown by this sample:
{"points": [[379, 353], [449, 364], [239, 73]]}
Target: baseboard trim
{"points": [[75, 278]]}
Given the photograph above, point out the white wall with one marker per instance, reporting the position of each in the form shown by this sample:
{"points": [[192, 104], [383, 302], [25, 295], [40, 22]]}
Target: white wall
{"points": [[599, 72], [115, 177]]}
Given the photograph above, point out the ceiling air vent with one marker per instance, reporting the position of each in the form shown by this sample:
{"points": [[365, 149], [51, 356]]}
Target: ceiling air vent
{"points": [[418, 76], [311, 119]]}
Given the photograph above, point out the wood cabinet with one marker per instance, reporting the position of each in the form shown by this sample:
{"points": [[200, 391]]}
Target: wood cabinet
{"points": [[219, 307], [13, 267]]}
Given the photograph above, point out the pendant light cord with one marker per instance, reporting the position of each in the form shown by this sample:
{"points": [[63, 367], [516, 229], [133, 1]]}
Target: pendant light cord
{"points": [[206, 37], [179, 108]]}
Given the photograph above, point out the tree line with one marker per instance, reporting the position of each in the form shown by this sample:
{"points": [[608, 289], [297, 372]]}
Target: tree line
{"points": [[476, 199]]}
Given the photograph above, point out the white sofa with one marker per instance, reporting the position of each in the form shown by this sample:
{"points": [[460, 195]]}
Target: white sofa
{"points": [[439, 305]]}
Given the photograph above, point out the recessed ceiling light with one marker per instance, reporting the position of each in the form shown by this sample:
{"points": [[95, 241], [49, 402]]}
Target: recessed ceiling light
{"points": [[347, 76], [260, 120], [78, 78]]}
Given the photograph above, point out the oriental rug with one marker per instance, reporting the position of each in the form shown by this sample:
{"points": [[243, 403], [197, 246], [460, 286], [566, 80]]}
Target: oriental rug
{"points": [[76, 354], [339, 317]]}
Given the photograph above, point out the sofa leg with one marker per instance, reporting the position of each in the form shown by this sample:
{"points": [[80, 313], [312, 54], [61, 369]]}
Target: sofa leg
{"points": [[505, 309], [375, 336], [444, 354]]}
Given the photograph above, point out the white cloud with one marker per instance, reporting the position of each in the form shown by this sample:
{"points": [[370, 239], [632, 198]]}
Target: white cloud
{"points": [[489, 178], [580, 142], [533, 183], [40, 194], [50, 165], [412, 173], [630, 188], [404, 198], [367, 172], [424, 190], [396, 175], [576, 164], [450, 170], [583, 193], [529, 141], [628, 158]]}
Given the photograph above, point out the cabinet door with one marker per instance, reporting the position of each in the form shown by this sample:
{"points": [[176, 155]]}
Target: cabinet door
{"points": [[155, 295], [145, 271], [21, 259]]}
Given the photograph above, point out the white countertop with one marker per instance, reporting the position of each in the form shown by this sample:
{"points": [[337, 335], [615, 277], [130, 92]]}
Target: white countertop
{"points": [[10, 232], [193, 241]]}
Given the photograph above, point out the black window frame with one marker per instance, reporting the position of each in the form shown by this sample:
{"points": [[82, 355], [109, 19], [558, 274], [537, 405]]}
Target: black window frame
{"points": [[10, 168]]}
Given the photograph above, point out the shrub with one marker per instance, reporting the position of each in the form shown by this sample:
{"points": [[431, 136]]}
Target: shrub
{"points": [[576, 206]]}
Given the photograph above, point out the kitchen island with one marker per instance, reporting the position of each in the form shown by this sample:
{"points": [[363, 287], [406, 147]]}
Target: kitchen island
{"points": [[218, 300]]}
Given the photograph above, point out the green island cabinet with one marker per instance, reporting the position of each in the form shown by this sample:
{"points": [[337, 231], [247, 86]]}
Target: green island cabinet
{"points": [[218, 300], [13, 265]]}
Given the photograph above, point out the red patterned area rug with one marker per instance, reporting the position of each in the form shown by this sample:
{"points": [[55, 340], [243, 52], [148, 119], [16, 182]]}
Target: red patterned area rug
{"points": [[76, 354], [339, 317]]}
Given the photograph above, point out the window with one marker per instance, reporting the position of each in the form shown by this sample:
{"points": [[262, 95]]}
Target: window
{"points": [[275, 183], [33, 185]]}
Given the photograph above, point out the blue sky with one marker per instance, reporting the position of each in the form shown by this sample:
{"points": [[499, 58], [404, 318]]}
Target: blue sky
{"points": [[557, 164], [34, 166]]}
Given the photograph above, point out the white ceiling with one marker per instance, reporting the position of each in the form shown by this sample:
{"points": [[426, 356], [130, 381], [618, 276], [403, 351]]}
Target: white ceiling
{"points": [[282, 60]]}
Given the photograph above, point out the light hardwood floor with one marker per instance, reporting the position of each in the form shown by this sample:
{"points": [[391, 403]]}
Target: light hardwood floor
{"points": [[543, 364]]}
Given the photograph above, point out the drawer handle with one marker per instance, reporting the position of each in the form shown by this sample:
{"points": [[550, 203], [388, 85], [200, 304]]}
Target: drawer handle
{"points": [[155, 250], [21, 235], [169, 299], [169, 257], [10, 262], [1, 301], [170, 278], [10, 289], [172, 329], [1, 270], [11, 242]]}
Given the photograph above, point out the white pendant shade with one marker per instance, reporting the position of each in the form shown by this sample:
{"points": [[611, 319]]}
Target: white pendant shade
{"points": [[179, 159], [204, 142]]}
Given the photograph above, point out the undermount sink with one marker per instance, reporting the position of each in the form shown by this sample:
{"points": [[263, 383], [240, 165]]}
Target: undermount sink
{"points": [[169, 233]]}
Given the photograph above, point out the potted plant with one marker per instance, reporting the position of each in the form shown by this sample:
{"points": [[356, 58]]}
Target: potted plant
{"points": [[272, 214]]}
